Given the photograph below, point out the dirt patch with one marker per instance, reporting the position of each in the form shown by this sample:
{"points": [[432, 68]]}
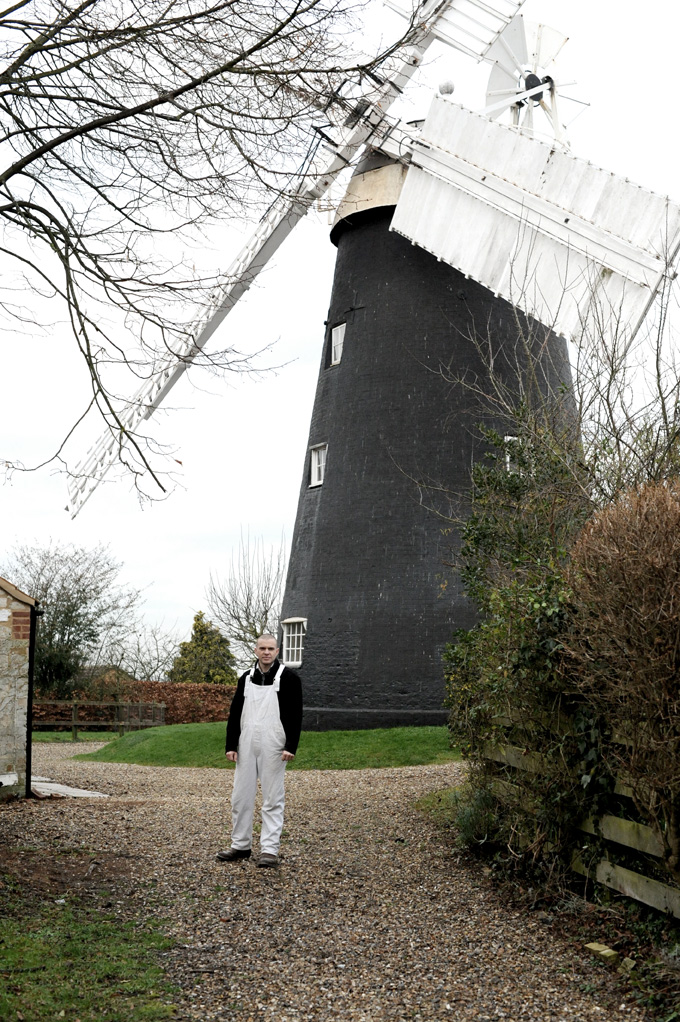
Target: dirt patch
{"points": [[57, 868], [66, 873]]}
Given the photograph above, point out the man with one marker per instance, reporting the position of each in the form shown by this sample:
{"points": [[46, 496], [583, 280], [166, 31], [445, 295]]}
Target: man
{"points": [[263, 732]]}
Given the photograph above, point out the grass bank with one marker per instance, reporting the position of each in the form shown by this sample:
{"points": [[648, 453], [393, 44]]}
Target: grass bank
{"points": [[202, 745], [65, 736]]}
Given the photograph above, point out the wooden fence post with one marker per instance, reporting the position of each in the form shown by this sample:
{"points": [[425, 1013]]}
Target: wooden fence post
{"points": [[121, 718]]}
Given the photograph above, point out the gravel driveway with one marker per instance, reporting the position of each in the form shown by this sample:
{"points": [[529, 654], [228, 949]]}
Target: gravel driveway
{"points": [[369, 917]]}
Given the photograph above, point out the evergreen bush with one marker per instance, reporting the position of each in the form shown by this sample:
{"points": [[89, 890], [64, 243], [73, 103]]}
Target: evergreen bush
{"points": [[505, 683]]}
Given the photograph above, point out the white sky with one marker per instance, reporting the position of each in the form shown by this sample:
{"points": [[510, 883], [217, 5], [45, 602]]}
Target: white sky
{"points": [[242, 441]]}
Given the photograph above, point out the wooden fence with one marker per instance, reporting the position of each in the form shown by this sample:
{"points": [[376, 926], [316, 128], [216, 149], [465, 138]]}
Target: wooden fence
{"points": [[617, 834], [105, 716]]}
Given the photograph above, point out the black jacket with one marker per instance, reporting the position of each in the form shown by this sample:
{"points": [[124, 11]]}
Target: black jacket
{"points": [[290, 707]]}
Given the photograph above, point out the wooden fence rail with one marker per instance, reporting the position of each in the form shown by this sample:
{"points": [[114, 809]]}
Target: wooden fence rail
{"points": [[115, 716], [616, 832]]}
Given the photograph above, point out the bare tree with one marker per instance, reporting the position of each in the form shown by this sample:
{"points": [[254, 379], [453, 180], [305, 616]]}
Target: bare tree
{"points": [[90, 621], [628, 394], [127, 128], [145, 652], [248, 602]]}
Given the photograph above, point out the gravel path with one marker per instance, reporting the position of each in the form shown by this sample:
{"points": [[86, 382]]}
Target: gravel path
{"points": [[370, 916]]}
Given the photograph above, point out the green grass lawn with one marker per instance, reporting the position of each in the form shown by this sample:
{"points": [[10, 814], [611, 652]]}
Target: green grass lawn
{"points": [[202, 745]]}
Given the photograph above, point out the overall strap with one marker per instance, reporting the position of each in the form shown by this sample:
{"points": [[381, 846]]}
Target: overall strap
{"points": [[248, 681], [277, 677]]}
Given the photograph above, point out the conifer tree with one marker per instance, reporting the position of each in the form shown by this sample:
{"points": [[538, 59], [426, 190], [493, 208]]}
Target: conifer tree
{"points": [[206, 657]]}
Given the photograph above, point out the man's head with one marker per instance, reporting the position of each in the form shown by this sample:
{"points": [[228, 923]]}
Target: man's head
{"points": [[266, 652]]}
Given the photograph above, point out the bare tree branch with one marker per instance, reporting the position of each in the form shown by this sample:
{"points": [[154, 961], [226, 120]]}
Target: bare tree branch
{"points": [[248, 602], [130, 126]]}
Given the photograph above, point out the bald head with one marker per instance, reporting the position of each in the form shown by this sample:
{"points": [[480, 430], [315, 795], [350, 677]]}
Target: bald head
{"points": [[266, 651]]}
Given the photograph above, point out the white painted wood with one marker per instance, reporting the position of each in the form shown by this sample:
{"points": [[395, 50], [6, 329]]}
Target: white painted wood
{"points": [[567, 242], [471, 26], [42, 787]]}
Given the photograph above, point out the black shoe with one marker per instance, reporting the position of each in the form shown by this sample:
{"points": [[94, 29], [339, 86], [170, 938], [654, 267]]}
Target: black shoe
{"points": [[233, 854], [267, 860]]}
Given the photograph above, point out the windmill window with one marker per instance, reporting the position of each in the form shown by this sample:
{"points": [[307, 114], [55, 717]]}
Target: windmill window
{"points": [[337, 343], [294, 629], [511, 445], [317, 468]]}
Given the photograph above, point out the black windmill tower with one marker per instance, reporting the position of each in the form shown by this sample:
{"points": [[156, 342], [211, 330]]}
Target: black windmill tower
{"points": [[448, 258], [458, 228], [369, 603]]}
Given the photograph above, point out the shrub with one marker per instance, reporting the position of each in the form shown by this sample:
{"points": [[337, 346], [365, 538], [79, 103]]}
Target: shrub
{"points": [[623, 647], [504, 683]]}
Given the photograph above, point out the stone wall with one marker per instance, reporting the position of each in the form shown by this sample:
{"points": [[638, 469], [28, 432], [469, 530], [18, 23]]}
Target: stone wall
{"points": [[15, 633]]}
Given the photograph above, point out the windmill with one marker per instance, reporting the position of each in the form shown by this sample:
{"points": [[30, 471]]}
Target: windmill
{"points": [[435, 222]]}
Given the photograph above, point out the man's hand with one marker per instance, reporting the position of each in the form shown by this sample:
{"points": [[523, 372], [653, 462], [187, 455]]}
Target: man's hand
{"points": [[231, 756], [286, 756]]}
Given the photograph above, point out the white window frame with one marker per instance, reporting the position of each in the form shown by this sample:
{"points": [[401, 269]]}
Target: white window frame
{"points": [[337, 343], [317, 464], [293, 628], [512, 467], [510, 463]]}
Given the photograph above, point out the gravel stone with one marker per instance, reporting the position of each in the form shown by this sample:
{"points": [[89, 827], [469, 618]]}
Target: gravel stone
{"points": [[370, 915]]}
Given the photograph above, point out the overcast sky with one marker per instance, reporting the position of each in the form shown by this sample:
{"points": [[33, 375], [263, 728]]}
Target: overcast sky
{"points": [[242, 441]]}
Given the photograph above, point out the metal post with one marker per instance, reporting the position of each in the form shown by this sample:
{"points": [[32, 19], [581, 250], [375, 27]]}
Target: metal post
{"points": [[35, 613]]}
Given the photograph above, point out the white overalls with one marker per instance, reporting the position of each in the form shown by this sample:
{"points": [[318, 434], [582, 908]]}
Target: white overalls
{"points": [[259, 755]]}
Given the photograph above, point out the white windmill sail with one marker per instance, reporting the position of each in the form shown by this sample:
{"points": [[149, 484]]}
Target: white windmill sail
{"points": [[371, 125], [471, 26], [575, 246]]}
